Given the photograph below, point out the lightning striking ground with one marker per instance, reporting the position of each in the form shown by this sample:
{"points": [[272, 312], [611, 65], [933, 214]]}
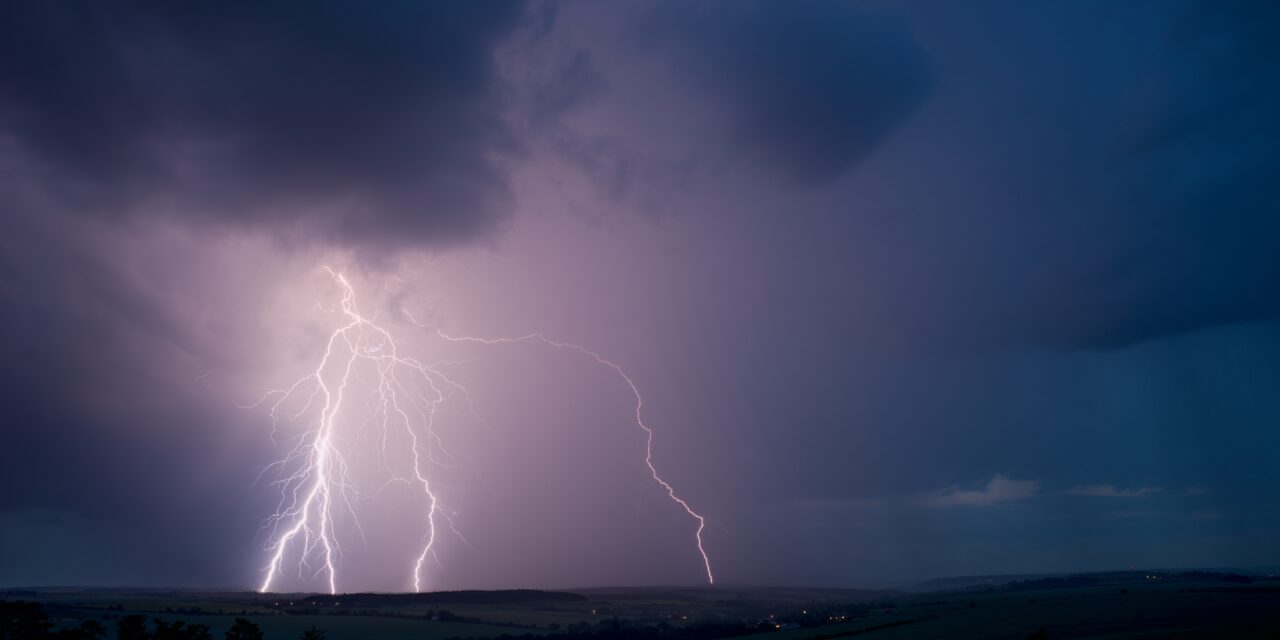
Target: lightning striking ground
{"points": [[406, 395], [635, 391]]}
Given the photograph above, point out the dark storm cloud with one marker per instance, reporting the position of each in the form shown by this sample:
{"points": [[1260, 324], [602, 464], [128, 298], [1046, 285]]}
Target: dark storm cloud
{"points": [[1193, 191], [101, 425], [955, 182], [1202, 169], [1084, 177], [807, 89], [342, 121]]}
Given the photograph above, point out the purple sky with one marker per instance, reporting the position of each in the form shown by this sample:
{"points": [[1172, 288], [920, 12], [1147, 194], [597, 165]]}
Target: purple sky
{"points": [[910, 289]]}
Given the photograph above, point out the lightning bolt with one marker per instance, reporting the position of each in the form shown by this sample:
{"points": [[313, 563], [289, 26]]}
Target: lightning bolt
{"points": [[639, 418], [407, 393]]}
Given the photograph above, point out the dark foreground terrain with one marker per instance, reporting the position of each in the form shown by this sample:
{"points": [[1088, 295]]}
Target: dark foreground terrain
{"points": [[1164, 604]]}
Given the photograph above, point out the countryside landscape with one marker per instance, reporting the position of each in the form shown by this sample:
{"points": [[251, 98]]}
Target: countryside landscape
{"points": [[639, 319], [1130, 605]]}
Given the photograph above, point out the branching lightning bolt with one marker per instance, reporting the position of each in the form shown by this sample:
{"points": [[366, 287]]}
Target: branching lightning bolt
{"points": [[405, 389], [407, 394]]}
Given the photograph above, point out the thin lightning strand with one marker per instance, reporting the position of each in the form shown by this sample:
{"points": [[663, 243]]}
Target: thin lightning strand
{"points": [[635, 392], [408, 393]]}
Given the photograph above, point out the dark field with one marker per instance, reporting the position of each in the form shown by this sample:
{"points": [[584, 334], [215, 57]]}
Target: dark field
{"points": [[1109, 605]]}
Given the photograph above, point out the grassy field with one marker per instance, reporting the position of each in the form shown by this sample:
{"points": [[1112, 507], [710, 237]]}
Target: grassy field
{"points": [[364, 627], [1119, 611], [1101, 606], [345, 627]]}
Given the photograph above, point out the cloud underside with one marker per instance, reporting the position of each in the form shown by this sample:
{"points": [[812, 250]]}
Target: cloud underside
{"points": [[393, 127], [390, 126], [807, 91], [343, 123]]}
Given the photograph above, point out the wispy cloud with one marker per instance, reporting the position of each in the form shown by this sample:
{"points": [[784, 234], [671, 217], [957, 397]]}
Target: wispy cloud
{"points": [[1111, 491], [998, 490]]}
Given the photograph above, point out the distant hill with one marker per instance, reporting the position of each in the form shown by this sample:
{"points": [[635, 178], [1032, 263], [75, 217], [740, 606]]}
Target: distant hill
{"points": [[508, 596], [1080, 580], [970, 582], [741, 594]]}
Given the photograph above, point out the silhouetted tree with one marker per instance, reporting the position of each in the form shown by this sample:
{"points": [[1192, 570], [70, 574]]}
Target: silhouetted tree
{"points": [[21, 620], [93, 629], [169, 630], [313, 634], [242, 629], [88, 630], [132, 627], [180, 631], [28, 621]]}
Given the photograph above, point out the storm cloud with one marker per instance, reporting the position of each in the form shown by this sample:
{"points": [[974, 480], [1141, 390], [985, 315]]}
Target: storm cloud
{"points": [[806, 90], [906, 286], [337, 121]]}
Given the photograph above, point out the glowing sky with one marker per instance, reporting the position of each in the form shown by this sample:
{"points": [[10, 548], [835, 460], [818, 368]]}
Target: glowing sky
{"points": [[910, 289]]}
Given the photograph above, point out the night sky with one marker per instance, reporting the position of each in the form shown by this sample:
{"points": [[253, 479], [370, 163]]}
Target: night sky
{"points": [[910, 289]]}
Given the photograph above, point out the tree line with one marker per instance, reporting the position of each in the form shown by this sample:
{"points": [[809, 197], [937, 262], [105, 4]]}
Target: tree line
{"points": [[20, 620]]}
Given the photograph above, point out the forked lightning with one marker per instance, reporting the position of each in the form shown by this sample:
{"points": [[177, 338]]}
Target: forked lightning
{"points": [[406, 394]]}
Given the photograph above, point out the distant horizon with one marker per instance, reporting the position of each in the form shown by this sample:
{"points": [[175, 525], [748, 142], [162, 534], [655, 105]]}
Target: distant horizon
{"points": [[1258, 570]]}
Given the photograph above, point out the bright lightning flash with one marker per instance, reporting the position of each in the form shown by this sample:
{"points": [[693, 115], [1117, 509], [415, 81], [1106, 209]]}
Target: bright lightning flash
{"points": [[406, 395]]}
